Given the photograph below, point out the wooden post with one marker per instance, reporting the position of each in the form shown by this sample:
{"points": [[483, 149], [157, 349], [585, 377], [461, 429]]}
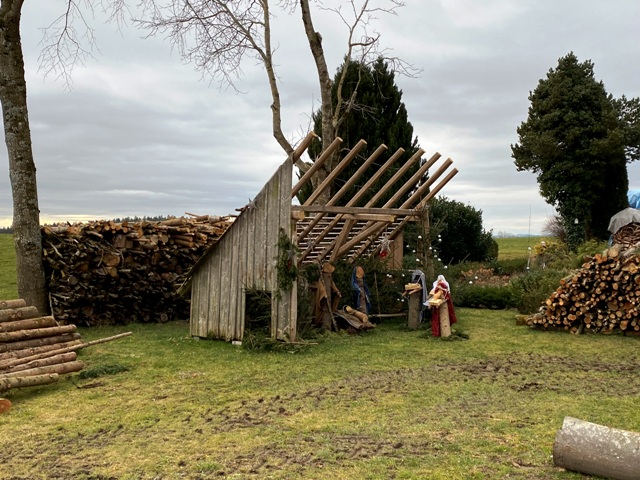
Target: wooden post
{"points": [[597, 450], [445, 325], [414, 310]]}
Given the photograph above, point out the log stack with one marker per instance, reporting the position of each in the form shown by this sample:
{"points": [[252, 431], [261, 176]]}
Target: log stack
{"points": [[106, 273], [603, 296], [35, 349], [628, 236]]}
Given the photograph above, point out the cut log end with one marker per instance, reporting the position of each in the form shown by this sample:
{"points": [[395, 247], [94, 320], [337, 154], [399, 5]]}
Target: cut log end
{"points": [[593, 449]]}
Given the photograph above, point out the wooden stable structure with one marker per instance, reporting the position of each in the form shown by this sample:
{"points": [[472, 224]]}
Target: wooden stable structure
{"points": [[244, 258]]}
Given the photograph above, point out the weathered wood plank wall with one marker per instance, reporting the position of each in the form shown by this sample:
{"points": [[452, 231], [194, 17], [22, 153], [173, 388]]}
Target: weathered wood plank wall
{"points": [[245, 257]]}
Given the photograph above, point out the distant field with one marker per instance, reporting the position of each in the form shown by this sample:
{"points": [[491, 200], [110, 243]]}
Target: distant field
{"points": [[8, 284], [516, 247]]}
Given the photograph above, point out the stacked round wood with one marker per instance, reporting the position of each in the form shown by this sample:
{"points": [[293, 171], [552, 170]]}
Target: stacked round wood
{"points": [[34, 349], [628, 236], [603, 296], [105, 273]]}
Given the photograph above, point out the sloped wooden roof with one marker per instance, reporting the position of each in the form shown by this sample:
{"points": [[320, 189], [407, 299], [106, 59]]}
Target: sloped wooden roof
{"points": [[330, 232]]}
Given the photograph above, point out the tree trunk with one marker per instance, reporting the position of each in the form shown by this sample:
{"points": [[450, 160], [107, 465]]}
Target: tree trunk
{"points": [[597, 450], [22, 171], [324, 79], [19, 382]]}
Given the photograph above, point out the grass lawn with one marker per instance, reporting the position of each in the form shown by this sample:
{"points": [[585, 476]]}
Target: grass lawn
{"points": [[8, 282], [391, 403]]}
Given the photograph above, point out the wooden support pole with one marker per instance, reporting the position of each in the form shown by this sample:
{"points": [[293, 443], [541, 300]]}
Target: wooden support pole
{"points": [[413, 321], [445, 324], [316, 165], [594, 449]]}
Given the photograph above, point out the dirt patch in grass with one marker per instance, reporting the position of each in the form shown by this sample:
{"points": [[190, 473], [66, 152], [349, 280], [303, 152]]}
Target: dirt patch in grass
{"points": [[464, 401]]}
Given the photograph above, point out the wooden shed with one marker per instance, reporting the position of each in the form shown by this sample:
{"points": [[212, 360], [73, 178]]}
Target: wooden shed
{"points": [[245, 257]]}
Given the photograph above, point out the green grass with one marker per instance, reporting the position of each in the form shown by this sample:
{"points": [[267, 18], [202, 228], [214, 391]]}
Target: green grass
{"points": [[516, 247], [8, 281], [391, 403]]}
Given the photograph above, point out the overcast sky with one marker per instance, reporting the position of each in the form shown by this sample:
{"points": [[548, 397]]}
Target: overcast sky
{"points": [[142, 133]]}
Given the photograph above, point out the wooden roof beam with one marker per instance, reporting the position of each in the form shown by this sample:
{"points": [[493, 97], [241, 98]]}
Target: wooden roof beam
{"points": [[424, 201], [326, 183], [404, 189], [316, 166], [344, 234], [306, 141], [343, 190], [418, 193], [354, 200], [387, 186], [413, 181]]}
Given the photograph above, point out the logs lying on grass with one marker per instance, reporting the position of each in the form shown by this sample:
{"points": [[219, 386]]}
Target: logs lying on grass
{"points": [[603, 296], [104, 272], [34, 349]]}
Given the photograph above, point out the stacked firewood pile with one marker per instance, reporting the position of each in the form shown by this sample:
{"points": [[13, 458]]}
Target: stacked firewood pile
{"points": [[603, 296], [628, 236], [104, 273], [35, 349]]}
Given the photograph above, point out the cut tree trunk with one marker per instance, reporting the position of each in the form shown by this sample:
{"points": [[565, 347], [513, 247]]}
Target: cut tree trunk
{"points": [[12, 303], [597, 450], [62, 368], [18, 313], [40, 322], [36, 342], [36, 333], [19, 382]]}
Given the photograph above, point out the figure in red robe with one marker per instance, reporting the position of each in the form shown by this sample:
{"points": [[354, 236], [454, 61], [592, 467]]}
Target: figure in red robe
{"points": [[441, 290]]}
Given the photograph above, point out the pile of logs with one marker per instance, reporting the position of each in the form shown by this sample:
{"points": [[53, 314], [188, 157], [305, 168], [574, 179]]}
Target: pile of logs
{"points": [[628, 236], [603, 296], [105, 273], [35, 349]]}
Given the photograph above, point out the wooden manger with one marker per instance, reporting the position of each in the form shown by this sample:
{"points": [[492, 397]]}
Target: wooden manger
{"points": [[246, 256]]}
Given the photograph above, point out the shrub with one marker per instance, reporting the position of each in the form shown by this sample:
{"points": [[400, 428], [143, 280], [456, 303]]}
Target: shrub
{"points": [[478, 296], [509, 267], [532, 289]]}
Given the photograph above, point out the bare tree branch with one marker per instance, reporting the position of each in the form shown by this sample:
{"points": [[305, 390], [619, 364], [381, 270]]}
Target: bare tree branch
{"points": [[69, 40]]}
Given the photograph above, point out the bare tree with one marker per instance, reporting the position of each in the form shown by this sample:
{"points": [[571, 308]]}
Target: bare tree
{"points": [[22, 171], [217, 35], [67, 46]]}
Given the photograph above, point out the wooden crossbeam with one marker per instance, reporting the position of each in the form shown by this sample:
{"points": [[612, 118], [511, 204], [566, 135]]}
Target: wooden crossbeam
{"points": [[393, 234], [353, 210], [408, 185], [319, 162]]}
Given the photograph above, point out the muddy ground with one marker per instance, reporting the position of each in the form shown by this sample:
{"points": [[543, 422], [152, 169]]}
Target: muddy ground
{"points": [[58, 456]]}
